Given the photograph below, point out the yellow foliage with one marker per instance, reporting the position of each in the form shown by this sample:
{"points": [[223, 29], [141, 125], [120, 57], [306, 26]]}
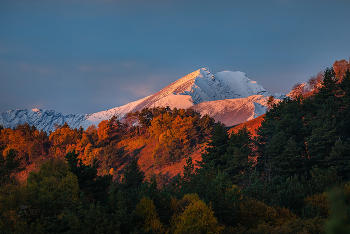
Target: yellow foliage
{"points": [[254, 212], [188, 199], [174, 205], [147, 210], [197, 217], [346, 190], [320, 201]]}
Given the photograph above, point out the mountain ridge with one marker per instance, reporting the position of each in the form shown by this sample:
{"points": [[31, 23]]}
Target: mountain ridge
{"points": [[229, 97]]}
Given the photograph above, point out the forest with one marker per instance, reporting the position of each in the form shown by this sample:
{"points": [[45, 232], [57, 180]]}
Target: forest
{"points": [[291, 176]]}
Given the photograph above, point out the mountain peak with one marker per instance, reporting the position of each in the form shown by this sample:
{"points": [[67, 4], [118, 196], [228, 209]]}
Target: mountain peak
{"points": [[228, 96]]}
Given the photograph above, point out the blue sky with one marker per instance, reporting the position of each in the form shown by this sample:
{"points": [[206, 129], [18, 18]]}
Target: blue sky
{"points": [[84, 56]]}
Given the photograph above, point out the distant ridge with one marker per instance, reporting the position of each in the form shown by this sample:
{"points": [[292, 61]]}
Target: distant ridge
{"points": [[229, 97]]}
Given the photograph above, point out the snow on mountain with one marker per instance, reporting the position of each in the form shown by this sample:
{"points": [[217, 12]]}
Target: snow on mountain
{"points": [[229, 97], [234, 111], [202, 85], [280, 96], [194, 88], [42, 119]]}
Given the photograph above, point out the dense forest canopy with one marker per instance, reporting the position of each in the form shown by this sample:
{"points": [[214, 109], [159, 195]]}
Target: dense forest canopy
{"points": [[292, 176]]}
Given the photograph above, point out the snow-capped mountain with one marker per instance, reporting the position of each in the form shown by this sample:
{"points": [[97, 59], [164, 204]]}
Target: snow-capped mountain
{"points": [[229, 97], [42, 119]]}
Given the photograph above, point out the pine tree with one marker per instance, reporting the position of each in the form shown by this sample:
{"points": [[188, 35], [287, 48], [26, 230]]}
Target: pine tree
{"points": [[217, 147], [8, 165], [94, 186], [133, 176], [238, 158], [329, 86], [53, 187]]}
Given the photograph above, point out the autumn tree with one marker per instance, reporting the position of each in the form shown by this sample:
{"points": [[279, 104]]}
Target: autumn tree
{"points": [[110, 129], [340, 67], [314, 82], [197, 217], [147, 210], [27, 142], [176, 132], [299, 89], [63, 140]]}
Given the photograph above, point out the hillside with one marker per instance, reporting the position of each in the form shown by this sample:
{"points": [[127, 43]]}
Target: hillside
{"points": [[251, 125]]}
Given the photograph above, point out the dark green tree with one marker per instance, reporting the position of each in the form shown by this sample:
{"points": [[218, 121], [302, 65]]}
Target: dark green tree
{"points": [[52, 188], [217, 147], [94, 186], [8, 165], [238, 159], [329, 86], [133, 176]]}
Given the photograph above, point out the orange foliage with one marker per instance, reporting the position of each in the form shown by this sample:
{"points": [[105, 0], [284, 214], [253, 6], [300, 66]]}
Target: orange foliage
{"points": [[90, 154], [63, 140], [340, 67], [104, 130], [27, 142], [109, 129], [176, 134], [171, 135]]}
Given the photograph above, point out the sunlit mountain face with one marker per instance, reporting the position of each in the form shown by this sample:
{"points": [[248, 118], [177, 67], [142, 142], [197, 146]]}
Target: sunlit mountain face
{"points": [[228, 97]]}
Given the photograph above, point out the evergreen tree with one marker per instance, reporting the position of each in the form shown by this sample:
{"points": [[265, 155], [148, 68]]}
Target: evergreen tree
{"points": [[133, 177], [238, 159], [94, 186], [291, 160], [8, 165], [217, 147], [52, 188], [329, 86]]}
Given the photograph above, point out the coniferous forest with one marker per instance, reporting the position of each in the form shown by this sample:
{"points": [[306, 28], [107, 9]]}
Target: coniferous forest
{"points": [[291, 176]]}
